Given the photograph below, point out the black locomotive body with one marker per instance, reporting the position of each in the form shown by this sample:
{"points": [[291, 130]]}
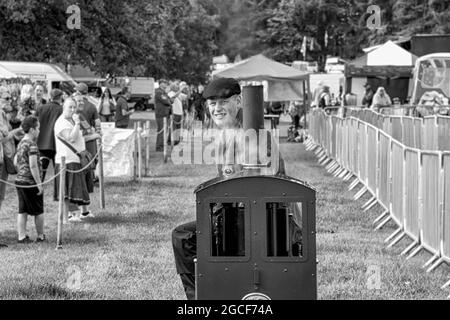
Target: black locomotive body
{"points": [[256, 239]]}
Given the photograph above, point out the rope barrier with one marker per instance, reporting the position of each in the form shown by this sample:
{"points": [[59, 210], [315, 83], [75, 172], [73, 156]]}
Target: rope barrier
{"points": [[56, 175], [32, 186]]}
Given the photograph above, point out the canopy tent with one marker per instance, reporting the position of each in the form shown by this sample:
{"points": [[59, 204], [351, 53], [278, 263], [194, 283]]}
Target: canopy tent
{"points": [[6, 74], [281, 82], [36, 70], [389, 66]]}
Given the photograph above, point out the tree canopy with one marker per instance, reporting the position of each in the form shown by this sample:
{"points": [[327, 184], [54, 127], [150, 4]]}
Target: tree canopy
{"points": [[178, 38]]}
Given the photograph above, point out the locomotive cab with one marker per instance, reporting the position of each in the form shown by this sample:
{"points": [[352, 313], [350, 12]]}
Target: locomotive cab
{"points": [[255, 239]]}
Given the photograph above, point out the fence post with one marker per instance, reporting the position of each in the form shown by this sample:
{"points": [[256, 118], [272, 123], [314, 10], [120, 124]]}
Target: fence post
{"points": [[135, 151], [61, 205], [147, 146], [165, 139], [139, 151], [100, 173], [171, 129]]}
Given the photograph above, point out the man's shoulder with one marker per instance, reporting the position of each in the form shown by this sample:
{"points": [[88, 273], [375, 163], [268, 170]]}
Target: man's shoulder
{"points": [[121, 101]]}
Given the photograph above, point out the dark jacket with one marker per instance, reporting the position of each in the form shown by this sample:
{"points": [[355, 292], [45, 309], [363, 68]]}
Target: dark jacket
{"points": [[162, 104], [48, 114], [368, 97], [121, 120]]}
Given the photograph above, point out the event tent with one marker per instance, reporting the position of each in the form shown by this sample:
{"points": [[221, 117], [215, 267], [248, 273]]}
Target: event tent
{"points": [[389, 66], [281, 82], [6, 74]]}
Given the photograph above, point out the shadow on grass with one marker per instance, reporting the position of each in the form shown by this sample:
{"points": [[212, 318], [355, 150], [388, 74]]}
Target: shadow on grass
{"points": [[42, 291], [149, 182], [141, 217]]}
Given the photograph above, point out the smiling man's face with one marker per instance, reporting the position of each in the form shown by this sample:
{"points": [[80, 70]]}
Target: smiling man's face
{"points": [[224, 111]]}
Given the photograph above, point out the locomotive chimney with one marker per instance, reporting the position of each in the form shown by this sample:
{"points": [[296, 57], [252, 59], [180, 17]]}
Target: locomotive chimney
{"points": [[253, 122]]}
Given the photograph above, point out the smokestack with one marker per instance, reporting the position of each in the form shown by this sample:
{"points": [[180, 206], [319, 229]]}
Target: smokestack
{"points": [[253, 122], [253, 107]]}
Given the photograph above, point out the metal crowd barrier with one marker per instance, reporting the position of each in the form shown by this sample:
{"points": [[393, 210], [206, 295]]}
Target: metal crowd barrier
{"points": [[401, 162]]}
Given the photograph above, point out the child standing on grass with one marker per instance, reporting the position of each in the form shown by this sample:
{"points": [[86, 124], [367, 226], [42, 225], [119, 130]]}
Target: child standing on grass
{"points": [[31, 200]]}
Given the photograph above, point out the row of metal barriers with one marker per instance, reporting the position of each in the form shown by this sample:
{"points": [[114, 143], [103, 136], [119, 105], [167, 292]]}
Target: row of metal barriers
{"points": [[428, 133], [397, 161]]}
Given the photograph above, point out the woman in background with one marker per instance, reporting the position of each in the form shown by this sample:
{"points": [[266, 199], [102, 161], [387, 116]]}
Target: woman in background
{"points": [[27, 105], [39, 96], [106, 106], [68, 128], [380, 99]]}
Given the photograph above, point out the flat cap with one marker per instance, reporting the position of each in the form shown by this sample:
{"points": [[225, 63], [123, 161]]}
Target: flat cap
{"points": [[222, 88], [55, 94], [82, 88]]}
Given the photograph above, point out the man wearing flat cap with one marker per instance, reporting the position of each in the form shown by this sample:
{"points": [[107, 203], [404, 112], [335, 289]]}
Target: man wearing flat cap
{"points": [[48, 114], [224, 103]]}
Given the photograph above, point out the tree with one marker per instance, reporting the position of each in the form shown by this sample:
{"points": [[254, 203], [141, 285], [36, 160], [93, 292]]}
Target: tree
{"points": [[157, 38]]}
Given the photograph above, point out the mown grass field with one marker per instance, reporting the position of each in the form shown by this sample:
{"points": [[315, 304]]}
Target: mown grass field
{"points": [[125, 251]]}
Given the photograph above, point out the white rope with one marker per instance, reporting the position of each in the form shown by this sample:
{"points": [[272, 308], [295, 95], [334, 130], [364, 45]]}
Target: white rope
{"points": [[32, 186]]}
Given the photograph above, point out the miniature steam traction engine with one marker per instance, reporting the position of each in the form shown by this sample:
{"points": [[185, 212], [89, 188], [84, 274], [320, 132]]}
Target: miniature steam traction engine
{"points": [[255, 233]]}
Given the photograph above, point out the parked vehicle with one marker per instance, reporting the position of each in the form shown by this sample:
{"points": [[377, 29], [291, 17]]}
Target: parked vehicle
{"points": [[335, 65], [300, 65], [313, 67], [49, 74]]}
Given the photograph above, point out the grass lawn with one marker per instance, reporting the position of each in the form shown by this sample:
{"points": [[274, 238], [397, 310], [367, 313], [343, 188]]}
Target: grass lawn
{"points": [[125, 251]]}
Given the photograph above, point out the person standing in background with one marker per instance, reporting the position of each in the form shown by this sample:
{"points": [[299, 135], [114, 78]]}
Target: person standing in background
{"points": [[177, 111], [31, 200], [39, 96], [90, 115], [106, 106], [380, 99], [47, 115], [5, 136], [27, 105], [316, 94], [123, 111], [162, 110], [324, 98], [15, 100], [68, 127], [368, 96]]}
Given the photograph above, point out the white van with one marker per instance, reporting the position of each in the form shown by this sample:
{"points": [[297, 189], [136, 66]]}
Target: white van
{"points": [[50, 74], [335, 65]]}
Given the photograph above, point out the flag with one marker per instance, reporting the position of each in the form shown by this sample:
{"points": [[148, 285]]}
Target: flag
{"points": [[326, 39], [304, 48]]}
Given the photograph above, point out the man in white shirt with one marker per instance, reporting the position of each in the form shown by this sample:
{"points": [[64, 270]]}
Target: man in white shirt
{"points": [[177, 111]]}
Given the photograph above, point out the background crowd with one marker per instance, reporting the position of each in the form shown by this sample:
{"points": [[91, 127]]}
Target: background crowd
{"points": [[34, 133]]}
